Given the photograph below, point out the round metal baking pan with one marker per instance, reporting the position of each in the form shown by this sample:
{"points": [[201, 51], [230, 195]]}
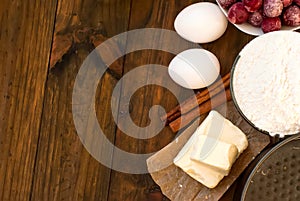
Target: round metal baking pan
{"points": [[276, 174]]}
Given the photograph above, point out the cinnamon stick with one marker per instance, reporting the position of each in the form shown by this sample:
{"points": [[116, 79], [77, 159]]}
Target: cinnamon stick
{"points": [[201, 97], [205, 107]]}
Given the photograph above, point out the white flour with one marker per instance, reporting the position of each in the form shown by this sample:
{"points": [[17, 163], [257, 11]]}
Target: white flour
{"points": [[266, 82]]}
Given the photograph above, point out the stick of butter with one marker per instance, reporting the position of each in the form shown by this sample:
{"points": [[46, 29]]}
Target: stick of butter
{"points": [[220, 155], [198, 171], [229, 133], [228, 141]]}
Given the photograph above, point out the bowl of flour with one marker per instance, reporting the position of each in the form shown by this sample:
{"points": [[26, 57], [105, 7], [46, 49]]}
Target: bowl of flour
{"points": [[265, 83]]}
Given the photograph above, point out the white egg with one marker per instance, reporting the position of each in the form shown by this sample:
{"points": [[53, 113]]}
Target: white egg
{"points": [[201, 22], [194, 68]]}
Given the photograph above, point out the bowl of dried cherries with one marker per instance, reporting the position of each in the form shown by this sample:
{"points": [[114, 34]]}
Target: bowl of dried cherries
{"points": [[256, 17]]}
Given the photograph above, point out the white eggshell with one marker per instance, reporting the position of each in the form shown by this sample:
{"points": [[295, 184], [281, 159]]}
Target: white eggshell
{"points": [[201, 22], [194, 68]]}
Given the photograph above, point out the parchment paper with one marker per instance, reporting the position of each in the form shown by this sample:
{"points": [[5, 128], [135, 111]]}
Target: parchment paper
{"points": [[178, 186]]}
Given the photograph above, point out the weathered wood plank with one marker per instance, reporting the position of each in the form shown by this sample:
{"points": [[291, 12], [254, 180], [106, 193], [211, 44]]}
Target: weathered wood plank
{"points": [[145, 14], [25, 43], [158, 14], [65, 170]]}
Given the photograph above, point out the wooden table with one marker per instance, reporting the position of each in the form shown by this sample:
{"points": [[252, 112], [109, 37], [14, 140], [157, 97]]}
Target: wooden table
{"points": [[43, 44]]}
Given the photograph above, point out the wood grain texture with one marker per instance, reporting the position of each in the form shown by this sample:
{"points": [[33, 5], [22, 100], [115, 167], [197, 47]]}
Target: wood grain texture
{"points": [[41, 156], [159, 14], [144, 14], [228, 46], [25, 43], [65, 170]]}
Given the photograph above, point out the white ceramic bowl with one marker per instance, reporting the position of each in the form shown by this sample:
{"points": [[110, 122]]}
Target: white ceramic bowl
{"points": [[251, 30]]}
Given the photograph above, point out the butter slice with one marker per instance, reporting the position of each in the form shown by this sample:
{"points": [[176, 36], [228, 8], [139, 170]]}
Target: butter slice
{"points": [[211, 172], [198, 171], [228, 132], [216, 154]]}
